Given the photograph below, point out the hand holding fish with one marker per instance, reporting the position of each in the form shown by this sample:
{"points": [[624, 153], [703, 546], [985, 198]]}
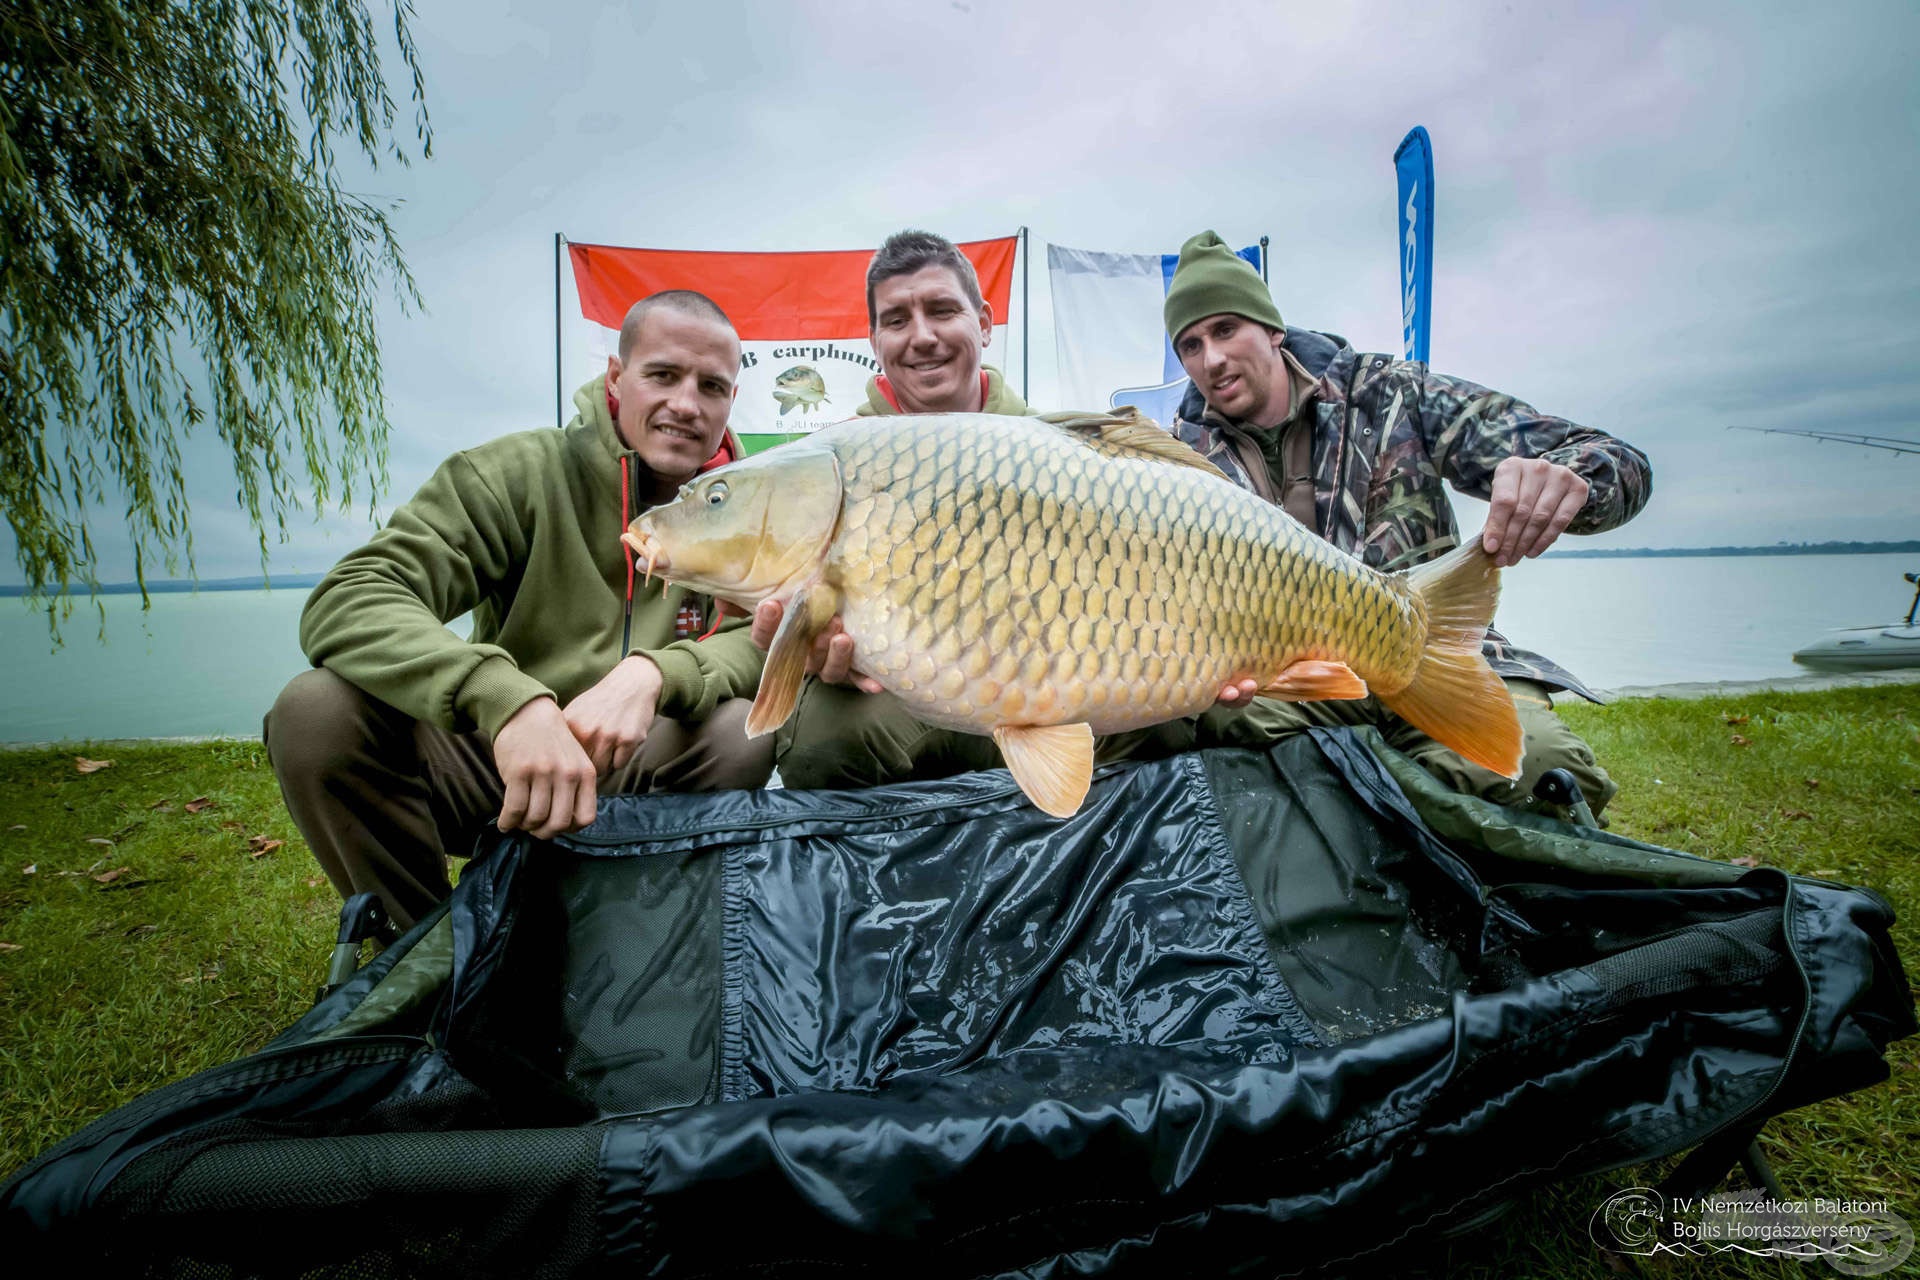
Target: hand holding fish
{"points": [[1533, 502], [831, 658], [548, 777]]}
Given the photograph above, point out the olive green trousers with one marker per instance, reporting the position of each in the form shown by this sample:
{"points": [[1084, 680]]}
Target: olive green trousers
{"points": [[383, 799], [839, 738]]}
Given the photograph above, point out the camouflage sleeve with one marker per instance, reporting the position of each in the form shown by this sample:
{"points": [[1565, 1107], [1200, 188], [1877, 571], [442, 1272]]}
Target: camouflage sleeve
{"points": [[1469, 430]]}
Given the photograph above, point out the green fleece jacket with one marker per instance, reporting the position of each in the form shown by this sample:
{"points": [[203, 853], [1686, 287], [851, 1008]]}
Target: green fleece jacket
{"points": [[1001, 398], [524, 531]]}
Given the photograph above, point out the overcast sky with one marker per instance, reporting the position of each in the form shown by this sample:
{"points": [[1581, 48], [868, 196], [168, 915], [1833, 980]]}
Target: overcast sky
{"points": [[1660, 220]]}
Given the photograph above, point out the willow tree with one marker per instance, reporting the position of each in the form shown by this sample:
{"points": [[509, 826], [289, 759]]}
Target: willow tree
{"points": [[177, 252]]}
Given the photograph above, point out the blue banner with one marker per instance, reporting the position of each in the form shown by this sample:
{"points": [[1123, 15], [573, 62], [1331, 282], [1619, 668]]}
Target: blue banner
{"points": [[1413, 162]]}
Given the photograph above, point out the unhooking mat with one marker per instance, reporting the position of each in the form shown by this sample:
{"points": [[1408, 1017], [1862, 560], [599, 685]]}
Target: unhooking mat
{"points": [[1249, 1011]]}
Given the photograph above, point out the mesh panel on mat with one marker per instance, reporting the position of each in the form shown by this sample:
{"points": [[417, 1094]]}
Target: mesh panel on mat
{"points": [[641, 1013], [507, 1203]]}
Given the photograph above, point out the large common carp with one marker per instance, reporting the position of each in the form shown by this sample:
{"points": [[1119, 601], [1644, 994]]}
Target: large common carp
{"points": [[1046, 580]]}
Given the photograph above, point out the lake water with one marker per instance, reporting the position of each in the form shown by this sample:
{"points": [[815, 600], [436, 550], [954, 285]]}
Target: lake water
{"points": [[212, 663]]}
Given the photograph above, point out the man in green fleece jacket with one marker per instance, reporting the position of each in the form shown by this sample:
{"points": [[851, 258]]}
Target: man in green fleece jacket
{"points": [[578, 681], [930, 330]]}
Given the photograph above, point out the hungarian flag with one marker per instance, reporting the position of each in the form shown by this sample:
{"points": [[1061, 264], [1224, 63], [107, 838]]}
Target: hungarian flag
{"points": [[805, 358]]}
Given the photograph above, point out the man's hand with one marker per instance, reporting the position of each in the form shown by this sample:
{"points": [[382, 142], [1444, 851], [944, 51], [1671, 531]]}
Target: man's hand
{"points": [[832, 656], [549, 779], [612, 719], [1533, 503], [1237, 694]]}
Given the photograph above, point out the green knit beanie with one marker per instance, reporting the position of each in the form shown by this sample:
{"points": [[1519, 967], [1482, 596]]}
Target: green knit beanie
{"points": [[1212, 279]]}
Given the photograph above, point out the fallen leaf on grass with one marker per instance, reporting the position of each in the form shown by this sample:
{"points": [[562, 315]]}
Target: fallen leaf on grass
{"points": [[1796, 814], [83, 765], [1827, 873], [161, 806], [18, 826], [100, 840], [140, 929], [1813, 784], [32, 868], [1739, 741], [1732, 719], [233, 826], [9, 946], [261, 846], [108, 877], [199, 803], [313, 883], [1746, 860]]}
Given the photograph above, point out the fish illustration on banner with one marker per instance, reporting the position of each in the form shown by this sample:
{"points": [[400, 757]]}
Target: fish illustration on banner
{"points": [[802, 318]]}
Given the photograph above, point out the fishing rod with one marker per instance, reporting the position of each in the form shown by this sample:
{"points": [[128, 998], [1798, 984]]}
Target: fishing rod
{"points": [[1894, 444]]}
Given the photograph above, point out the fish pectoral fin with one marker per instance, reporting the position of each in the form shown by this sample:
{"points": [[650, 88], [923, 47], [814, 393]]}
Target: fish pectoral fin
{"points": [[1053, 763], [807, 614], [1126, 433], [1314, 680]]}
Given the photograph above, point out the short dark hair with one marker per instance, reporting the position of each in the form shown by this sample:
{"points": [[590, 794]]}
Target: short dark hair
{"points": [[685, 301], [905, 252]]}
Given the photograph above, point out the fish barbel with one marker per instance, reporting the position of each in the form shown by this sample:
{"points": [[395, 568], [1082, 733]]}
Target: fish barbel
{"points": [[1045, 580]]}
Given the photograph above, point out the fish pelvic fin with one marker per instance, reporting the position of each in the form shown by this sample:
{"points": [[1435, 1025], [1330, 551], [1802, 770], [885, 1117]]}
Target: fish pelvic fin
{"points": [[1311, 680], [1053, 763], [1454, 697], [808, 612], [1126, 433]]}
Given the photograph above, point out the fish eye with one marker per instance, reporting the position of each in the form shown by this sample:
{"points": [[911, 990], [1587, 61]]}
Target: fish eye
{"points": [[717, 493]]}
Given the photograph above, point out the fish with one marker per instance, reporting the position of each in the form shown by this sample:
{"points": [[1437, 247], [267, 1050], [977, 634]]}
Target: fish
{"points": [[1045, 580], [801, 385]]}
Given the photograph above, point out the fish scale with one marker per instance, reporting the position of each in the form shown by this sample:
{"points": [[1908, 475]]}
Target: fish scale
{"points": [[1045, 580]]}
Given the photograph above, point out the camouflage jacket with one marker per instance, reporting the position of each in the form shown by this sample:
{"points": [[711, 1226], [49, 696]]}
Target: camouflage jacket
{"points": [[1388, 432]]}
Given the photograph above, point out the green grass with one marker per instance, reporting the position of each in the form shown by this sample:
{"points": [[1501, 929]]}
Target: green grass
{"points": [[199, 953]]}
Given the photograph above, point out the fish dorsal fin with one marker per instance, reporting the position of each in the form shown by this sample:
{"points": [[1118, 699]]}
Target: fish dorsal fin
{"points": [[1126, 433], [1053, 763]]}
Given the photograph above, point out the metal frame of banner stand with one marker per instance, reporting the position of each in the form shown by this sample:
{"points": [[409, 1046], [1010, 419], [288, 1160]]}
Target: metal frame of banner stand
{"points": [[559, 403]]}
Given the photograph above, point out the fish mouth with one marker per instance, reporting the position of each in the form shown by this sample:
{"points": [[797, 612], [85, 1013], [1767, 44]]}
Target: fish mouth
{"points": [[647, 549]]}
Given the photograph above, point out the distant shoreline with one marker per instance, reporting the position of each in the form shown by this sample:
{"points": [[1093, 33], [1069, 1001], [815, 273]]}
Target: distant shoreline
{"points": [[168, 586], [1777, 549]]}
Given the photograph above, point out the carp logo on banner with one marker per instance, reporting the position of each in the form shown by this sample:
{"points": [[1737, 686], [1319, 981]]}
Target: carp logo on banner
{"points": [[802, 317]]}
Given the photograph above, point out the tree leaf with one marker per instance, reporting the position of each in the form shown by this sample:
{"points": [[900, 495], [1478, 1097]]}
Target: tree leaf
{"points": [[83, 765], [1733, 719], [108, 877], [9, 946], [1740, 741], [100, 840], [199, 804], [1746, 860]]}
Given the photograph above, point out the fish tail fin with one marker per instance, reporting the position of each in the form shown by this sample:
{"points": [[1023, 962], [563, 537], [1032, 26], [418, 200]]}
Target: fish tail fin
{"points": [[1454, 697]]}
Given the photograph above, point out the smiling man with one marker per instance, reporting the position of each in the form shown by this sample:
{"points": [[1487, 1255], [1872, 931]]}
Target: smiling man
{"points": [[930, 328], [1359, 448], [576, 681]]}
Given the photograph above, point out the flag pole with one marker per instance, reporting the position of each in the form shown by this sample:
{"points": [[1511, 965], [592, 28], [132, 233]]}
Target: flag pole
{"points": [[1026, 313], [558, 421], [1263, 260]]}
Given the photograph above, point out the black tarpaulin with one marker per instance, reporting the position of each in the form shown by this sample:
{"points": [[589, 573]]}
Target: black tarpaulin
{"points": [[1266, 1010]]}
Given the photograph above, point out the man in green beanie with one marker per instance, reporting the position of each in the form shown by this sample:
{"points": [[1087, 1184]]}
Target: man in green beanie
{"points": [[1357, 446]]}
